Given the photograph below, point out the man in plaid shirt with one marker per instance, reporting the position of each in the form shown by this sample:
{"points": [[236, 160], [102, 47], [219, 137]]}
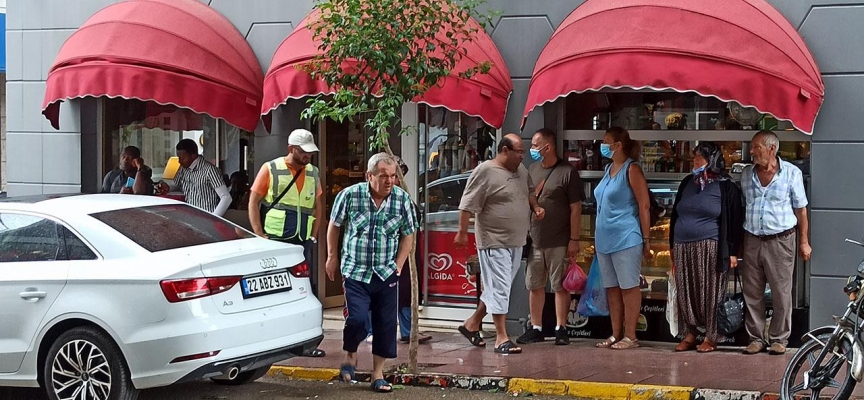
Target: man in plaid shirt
{"points": [[379, 224]]}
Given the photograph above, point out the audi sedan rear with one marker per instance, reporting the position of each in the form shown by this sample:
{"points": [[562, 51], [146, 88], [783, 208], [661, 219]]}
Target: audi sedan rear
{"points": [[103, 295]]}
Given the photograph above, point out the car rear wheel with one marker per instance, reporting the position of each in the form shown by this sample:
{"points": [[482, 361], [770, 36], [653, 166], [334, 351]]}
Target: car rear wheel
{"points": [[85, 363], [244, 377]]}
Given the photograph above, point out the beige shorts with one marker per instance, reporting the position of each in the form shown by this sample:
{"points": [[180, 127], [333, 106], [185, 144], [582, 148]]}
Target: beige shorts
{"points": [[547, 263]]}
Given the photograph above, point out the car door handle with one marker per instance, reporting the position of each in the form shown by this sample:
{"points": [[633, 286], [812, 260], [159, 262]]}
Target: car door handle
{"points": [[33, 295]]}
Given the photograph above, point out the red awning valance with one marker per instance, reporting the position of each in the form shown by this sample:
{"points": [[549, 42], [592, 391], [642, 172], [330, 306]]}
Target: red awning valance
{"points": [[178, 52], [484, 95], [742, 50]]}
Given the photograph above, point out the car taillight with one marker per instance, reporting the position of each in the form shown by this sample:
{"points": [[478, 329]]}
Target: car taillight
{"points": [[187, 289], [300, 270]]}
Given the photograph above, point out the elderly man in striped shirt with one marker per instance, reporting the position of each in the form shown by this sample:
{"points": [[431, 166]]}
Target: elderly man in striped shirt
{"points": [[775, 210], [379, 224], [201, 182]]}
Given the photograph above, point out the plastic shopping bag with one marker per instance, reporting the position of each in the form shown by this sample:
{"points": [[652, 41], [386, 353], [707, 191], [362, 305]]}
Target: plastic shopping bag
{"points": [[575, 279], [672, 305], [593, 301]]}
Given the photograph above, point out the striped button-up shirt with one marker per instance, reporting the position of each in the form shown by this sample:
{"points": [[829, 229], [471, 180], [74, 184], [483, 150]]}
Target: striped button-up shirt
{"points": [[199, 183], [771, 209], [372, 234]]}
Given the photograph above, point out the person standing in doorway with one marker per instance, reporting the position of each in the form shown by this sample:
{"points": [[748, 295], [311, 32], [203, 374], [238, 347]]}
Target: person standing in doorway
{"points": [[201, 182], [292, 217], [555, 238], [775, 204], [621, 236], [498, 194], [379, 224]]}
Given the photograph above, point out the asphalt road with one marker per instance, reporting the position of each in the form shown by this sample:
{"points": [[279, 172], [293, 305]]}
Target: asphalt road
{"points": [[279, 389]]}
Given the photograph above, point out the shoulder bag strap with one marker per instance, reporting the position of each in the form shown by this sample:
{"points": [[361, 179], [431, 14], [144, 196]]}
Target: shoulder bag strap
{"points": [[543, 182], [281, 195]]}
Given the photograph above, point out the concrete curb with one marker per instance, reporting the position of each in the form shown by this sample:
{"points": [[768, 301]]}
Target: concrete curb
{"points": [[549, 387]]}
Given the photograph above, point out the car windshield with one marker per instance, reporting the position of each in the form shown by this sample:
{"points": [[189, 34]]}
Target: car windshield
{"points": [[166, 227]]}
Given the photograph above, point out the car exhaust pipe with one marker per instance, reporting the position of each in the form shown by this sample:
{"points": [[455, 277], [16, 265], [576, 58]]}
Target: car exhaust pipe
{"points": [[232, 373]]}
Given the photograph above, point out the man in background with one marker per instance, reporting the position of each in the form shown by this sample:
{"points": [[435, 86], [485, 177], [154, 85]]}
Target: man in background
{"points": [[201, 182], [131, 176]]}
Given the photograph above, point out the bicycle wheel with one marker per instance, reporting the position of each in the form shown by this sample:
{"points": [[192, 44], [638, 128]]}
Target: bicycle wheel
{"points": [[829, 378]]}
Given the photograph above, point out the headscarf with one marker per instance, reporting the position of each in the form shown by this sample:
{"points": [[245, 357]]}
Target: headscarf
{"points": [[715, 169]]}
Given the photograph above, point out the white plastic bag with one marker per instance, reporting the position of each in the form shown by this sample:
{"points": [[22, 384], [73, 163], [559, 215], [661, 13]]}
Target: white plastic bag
{"points": [[672, 305]]}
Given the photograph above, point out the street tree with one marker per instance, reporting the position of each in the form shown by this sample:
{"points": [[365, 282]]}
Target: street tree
{"points": [[377, 55]]}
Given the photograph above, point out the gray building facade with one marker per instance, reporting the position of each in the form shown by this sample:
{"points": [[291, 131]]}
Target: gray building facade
{"points": [[41, 160]]}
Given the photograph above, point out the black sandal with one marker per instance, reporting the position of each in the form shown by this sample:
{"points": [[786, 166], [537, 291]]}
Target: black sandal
{"points": [[473, 337], [508, 347]]}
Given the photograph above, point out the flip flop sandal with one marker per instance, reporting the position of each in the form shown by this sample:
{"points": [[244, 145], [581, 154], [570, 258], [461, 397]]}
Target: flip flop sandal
{"points": [[381, 386], [314, 353], [508, 347], [607, 343], [625, 344], [473, 337], [347, 373]]}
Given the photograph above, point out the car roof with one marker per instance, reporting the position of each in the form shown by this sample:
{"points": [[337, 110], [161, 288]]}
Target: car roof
{"points": [[81, 203], [450, 179]]}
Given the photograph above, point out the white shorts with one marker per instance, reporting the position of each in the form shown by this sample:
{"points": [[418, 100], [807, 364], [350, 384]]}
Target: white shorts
{"points": [[498, 269]]}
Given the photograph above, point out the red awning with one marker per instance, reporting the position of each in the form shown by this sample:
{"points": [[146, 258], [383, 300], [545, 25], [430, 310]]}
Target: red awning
{"points": [[484, 95], [178, 52], [742, 50]]}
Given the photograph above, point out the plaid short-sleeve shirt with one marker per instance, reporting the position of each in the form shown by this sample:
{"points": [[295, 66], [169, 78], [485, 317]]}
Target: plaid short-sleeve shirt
{"points": [[371, 234], [771, 209]]}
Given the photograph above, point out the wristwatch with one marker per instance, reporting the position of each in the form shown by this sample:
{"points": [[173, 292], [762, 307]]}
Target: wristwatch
{"points": [[314, 240]]}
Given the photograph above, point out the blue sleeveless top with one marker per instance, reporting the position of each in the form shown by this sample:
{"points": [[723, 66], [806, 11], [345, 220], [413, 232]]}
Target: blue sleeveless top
{"points": [[618, 225]]}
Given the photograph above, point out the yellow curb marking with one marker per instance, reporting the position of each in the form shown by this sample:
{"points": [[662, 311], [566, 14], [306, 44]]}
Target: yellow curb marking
{"points": [[314, 374], [598, 390], [549, 387]]}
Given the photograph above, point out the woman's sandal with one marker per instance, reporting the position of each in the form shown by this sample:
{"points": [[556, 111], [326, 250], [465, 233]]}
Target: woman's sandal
{"points": [[473, 336], [508, 347], [707, 347], [347, 373], [686, 345], [625, 343], [607, 343], [381, 386]]}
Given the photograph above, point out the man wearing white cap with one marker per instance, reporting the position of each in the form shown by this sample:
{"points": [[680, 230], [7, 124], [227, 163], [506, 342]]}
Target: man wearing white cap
{"points": [[285, 201]]}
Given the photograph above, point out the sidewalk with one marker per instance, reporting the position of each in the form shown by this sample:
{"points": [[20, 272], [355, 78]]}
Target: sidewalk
{"points": [[544, 368]]}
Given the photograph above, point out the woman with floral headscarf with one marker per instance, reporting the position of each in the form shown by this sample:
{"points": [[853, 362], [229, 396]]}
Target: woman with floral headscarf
{"points": [[705, 237]]}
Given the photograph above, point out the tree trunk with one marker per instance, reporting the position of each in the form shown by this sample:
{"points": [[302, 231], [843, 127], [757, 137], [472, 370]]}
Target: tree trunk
{"points": [[415, 292]]}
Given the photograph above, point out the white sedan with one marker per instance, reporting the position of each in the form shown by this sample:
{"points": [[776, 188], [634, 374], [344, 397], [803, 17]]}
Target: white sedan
{"points": [[103, 295]]}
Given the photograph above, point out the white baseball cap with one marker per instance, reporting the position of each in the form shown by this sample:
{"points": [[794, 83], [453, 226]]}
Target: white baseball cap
{"points": [[304, 139]]}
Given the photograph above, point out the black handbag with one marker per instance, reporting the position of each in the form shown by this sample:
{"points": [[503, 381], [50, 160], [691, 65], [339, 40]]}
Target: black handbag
{"points": [[264, 209], [730, 312]]}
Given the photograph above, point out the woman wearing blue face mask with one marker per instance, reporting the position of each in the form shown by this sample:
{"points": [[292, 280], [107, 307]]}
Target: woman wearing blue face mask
{"points": [[705, 236], [621, 235]]}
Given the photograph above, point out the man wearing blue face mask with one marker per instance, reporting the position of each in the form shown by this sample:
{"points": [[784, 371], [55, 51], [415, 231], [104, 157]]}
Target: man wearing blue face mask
{"points": [[554, 238]]}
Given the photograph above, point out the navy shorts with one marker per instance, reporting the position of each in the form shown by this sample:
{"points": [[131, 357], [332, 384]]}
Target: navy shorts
{"points": [[380, 298]]}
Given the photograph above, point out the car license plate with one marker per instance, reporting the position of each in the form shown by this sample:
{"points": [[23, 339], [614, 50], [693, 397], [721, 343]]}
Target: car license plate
{"points": [[260, 285]]}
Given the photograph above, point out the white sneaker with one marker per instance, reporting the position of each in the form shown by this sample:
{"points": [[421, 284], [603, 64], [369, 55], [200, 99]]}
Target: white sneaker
{"points": [[369, 339]]}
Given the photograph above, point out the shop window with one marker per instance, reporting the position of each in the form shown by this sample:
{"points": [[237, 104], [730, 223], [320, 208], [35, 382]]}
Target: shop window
{"points": [[446, 195], [666, 110], [156, 129]]}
